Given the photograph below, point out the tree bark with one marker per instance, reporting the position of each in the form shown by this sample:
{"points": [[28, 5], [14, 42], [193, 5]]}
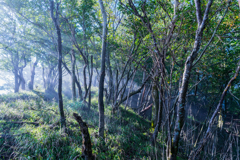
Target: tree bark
{"points": [[86, 139], [110, 75], [90, 84], [185, 80], [140, 95], [102, 74], [31, 83], [16, 86], [23, 82], [73, 76], [85, 81], [59, 46], [155, 95]]}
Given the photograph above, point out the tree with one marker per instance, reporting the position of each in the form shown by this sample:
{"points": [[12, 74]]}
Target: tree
{"points": [[102, 72], [15, 48], [55, 19]]}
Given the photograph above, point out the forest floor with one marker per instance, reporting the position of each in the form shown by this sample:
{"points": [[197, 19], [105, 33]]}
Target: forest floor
{"points": [[29, 129]]}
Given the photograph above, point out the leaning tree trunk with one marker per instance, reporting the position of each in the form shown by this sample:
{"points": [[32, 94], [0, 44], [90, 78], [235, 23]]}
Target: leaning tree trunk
{"points": [[59, 42], [102, 74], [205, 138]]}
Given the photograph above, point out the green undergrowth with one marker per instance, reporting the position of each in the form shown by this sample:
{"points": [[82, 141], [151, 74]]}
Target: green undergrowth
{"points": [[29, 129]]}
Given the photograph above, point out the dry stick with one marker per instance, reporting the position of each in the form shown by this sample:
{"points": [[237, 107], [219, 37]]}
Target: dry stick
{"points": [[86, 139], [192, 156]]}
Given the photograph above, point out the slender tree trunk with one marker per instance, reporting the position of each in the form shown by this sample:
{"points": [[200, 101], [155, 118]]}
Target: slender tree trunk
{"points": [[77, 81], [73, 76], [59, 42], [155, 95], [186, 77], [110, 76], [159, 105], [85, 81], [102, 74], [140, 95], [216, 112], [90, 84], [116, 89], [79, 89]]}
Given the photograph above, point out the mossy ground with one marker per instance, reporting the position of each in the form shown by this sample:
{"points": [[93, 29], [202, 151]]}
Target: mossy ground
{"points": [[127, 135]]}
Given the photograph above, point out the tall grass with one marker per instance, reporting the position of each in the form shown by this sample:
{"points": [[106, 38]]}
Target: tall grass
{"points": [[126, 134]]}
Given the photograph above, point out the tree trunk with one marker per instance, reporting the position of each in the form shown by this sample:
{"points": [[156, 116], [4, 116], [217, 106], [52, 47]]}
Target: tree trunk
{"points": [[159, 105], [90, 84], [140, 95], [186, 77], [116, 89], [215, 113], [31, 83], [23, 82], [16, 86], [59, 42], [76, 81], [43, 76], [155, 95], [86, 139], [110, 75], [85, 81], [102, 74], [73, 76]]}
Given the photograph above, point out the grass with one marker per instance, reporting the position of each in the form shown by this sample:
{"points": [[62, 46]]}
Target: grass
{"points": [[126, 133]]}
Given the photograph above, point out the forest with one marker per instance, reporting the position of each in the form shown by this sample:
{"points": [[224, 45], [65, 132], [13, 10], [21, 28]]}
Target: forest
{"points": [[119, 79]]}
